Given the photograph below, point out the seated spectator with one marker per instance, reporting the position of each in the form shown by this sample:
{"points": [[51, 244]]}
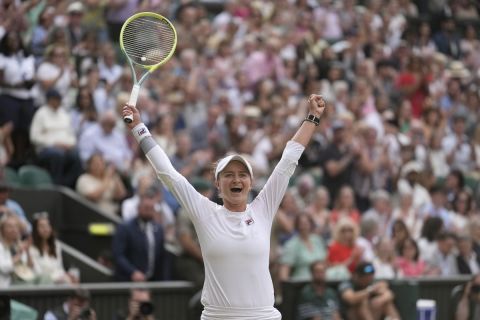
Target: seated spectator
{"points": [[54, 139], [301, 250], [303, 190], [406, 212], [345, 206], [83, 114], [104, 138], [457, 145], [443, 256], [365, 298], [462, 209], [437, 208], [77, 306], [468, 262], [46, 253], [409, 182], [165, 214], [432, 227], [12, 206], [381, 211], [384, 261], [101, 184], [409, 263], [317, 300], [15, 262], [343, 252], [369, 235], [138, 245], [466, 302], [57, 72], [140, 306]]}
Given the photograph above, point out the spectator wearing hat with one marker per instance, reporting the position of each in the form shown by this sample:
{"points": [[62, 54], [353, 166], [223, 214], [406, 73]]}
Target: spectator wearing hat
{"points": [[410, 182], [138, 245], [55, 142], [77, 306], [75, 28], [364, 298]]}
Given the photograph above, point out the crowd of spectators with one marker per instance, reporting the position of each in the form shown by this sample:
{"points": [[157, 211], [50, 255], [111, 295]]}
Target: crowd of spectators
{"points": [[390, 177]]}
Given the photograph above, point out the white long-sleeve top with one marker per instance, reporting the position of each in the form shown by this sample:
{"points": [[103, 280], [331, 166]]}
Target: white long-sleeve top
{"points": [[235, 245], [50, 127]]}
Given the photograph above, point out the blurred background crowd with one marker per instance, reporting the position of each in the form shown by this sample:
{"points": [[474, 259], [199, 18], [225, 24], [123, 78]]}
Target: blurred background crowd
{"points": [[391, 176]]}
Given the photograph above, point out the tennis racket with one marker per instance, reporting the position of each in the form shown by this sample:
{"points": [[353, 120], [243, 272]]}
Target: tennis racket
{"points": [[148, 40]]}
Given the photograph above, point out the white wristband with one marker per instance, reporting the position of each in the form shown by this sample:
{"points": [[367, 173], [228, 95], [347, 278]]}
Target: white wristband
{"points": [[140, 132]]}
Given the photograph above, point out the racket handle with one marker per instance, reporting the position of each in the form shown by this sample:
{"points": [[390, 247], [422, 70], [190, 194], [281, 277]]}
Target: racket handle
{"points": [[132, 101]]}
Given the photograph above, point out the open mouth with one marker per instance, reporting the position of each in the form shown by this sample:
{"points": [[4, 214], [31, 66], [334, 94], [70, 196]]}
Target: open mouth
{"points": [[236, 190]]}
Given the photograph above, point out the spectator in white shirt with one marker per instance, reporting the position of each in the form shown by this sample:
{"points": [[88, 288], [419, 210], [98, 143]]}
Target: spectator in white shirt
{"points": [[54, 139]]}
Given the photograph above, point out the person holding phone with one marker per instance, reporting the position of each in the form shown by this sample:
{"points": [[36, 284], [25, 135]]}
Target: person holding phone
{"points": [[467, 301], [234, 237]]}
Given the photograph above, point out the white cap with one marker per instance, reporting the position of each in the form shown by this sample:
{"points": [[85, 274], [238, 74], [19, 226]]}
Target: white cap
{"points": [[76, 6], [234, 157]]}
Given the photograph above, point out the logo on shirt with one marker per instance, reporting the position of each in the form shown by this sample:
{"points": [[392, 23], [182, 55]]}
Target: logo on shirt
{"points": [[142, 131], [249, 221]]}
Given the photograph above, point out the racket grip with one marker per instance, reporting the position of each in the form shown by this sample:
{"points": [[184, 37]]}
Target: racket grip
{"points": [[132, 102]]}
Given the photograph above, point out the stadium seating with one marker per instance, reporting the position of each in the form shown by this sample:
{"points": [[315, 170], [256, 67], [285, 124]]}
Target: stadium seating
{"points": [[31, 176]]}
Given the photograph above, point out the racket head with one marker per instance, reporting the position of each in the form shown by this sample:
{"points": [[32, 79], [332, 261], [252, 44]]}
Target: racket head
{"points": [[148, 40]]}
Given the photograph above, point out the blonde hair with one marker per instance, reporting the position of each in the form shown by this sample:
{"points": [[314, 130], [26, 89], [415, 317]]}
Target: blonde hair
{"points": [[342, 224]]}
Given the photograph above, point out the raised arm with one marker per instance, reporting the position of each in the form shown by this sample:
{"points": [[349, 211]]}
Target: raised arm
{"points": [[316, 107], [193, 202]]}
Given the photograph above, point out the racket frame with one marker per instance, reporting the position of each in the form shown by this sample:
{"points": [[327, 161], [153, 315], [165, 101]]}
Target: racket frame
{"points": [[149, 68]]}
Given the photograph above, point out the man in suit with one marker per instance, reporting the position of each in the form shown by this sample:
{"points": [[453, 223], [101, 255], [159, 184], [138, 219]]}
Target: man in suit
{"points": [[138, 245]]}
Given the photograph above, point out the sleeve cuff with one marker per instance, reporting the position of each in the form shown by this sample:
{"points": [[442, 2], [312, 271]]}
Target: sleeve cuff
{"points": [[140, 132]]}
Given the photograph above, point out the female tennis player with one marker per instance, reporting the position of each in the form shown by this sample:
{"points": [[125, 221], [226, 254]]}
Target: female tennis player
{"points": [[234, 237]]}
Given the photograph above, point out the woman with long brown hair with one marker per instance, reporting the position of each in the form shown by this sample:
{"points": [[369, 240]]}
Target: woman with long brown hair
{"points": [[46, 253]]}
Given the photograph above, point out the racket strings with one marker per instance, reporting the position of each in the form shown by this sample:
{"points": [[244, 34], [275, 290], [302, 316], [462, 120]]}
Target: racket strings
{"points": [[148, 41]]}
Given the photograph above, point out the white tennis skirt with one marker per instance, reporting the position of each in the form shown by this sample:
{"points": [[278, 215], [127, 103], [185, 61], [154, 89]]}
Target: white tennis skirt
{"points": [[230, 313]]}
